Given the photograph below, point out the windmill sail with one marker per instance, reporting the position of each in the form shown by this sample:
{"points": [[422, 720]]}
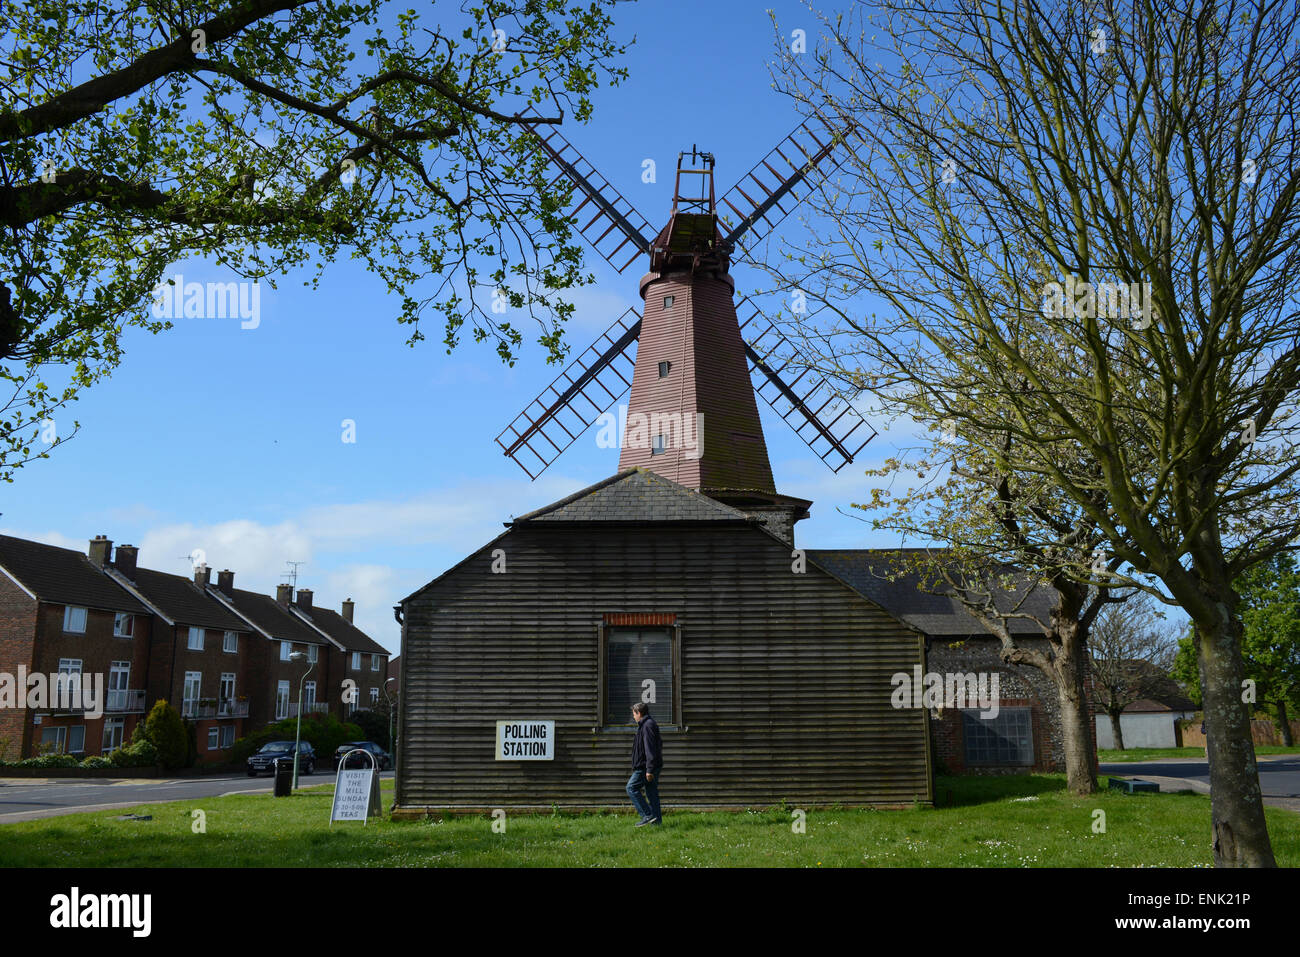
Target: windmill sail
{"points": [[575, 400], [826, 422], [781, 179], [609, 223]]}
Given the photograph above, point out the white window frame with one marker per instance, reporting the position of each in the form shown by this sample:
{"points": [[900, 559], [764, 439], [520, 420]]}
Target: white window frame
{"points": [[374, 662], [68, 666], [112, 741], [72, 736], [189, 705], [356, 661], [308, 694], [120, 617], [60, 738], [214, 738], [70, 619], [281, 700], [313, 653], [221, 687], [230, 643], [227, 736], [374, 696], [286, 649], [195, 642]]}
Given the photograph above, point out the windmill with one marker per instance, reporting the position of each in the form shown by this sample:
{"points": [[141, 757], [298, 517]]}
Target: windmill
{"points": [[692, 416]]}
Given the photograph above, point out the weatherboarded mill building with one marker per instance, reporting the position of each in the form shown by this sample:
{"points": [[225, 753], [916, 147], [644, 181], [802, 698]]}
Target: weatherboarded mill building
{"points": [[675, 581]]}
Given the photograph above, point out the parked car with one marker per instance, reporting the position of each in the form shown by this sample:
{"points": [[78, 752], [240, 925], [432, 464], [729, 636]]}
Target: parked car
{"points": [[264, 760], [383, 760]]}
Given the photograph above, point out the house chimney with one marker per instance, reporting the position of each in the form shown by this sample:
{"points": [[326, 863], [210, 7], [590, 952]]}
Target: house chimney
{"points": [[226, 582], [124, 560], [347, 610], [304, 599], [100, 547], [284, 593], [201, 575]]}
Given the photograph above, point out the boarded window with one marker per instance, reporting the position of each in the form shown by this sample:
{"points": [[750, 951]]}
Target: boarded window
{"points": [[639, 667], [1007, 739]]}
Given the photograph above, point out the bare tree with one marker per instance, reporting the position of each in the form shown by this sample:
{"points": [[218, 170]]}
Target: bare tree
{"points": [[1132, 651]]}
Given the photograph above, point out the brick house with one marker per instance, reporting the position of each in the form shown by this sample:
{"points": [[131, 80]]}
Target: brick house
{"points": [[1026, 733], [354, 655], [62, 614]]}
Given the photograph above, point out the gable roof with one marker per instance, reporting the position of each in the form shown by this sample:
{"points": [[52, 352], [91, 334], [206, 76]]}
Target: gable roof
{"points": [[635, 495], [885, 576], [184, 602], [271, 617], [342, 631], [64, 576]]}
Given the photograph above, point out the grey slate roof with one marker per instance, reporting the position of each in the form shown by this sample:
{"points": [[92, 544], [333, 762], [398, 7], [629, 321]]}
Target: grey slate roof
{"points": [[635, 495], [343, 631], [276, 621], [64, 576], [881, 574], [184, 602]]}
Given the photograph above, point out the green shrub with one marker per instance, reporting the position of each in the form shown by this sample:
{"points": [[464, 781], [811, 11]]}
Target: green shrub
{"points": [[324, 731], [374, 727], [164, 728], [137, 754], [96, 761], [49, 761]]}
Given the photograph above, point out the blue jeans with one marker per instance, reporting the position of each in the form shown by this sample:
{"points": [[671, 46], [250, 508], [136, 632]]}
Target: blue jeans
{"points": [[648, 806]]}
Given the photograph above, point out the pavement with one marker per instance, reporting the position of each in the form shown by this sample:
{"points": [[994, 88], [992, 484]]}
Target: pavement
{"points": [[1279, 776], [28, 799]]}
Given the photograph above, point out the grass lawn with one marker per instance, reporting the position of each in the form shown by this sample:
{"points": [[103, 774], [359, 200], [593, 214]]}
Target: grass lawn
{"points": [[1022, 821], [1156, 754]]}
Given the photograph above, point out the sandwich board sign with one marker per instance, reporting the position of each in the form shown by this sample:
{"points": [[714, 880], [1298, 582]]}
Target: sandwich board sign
{"points": [[356, 791], [525, 740]]}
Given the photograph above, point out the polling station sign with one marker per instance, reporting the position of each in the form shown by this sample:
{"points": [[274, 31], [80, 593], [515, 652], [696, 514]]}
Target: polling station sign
{"points": [[525, 740]]}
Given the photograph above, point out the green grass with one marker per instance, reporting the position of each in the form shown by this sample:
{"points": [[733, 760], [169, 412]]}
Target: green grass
{"points": [[1022, 821], [1156, 754]]}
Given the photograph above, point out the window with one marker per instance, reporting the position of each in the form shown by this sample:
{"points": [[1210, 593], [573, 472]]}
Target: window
{"points": [[190, 698], [281, 700], [77, 739], [114, 729], [119, 680], [1007, 739], [214, 738], [227, 693], [54, 739], [230, 643], [196, 639], [663, 369], [227, 735], [356, 661], [74, 619], [313, 653], [123, 625], [309, 695], [374, 696], [286, 649], [374, 662], [639, 665], [660, 445], [668, 302], [68, 693]]}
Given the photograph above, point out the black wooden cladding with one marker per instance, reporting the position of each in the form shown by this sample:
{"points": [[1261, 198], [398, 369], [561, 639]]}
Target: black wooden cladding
{"points": [[784, 677]]}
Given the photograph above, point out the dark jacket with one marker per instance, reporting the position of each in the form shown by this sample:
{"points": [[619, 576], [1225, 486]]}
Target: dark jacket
{"points": [[647, 747]]}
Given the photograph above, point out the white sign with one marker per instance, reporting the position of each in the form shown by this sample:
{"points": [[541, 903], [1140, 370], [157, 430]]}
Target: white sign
{"points": [[352, 795], [525, 740]]}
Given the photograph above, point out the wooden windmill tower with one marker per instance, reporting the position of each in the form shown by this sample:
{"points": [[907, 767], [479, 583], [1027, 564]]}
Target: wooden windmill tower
{"points": [[692, 417]]}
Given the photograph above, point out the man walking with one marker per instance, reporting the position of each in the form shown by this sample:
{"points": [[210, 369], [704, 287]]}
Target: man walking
{"points": [[647, 760]]}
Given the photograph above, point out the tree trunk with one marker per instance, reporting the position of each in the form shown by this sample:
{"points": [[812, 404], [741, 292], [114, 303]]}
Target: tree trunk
{"points": [[1283, 723], [1236, 804], [1076, 721], [1116, 729]]}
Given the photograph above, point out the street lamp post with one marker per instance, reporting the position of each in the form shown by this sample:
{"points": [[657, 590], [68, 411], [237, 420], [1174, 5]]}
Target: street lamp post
{"points": [[297, 738]]}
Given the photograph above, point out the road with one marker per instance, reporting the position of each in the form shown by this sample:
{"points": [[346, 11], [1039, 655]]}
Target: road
{"points": [[1279, 776], [25, 799]]}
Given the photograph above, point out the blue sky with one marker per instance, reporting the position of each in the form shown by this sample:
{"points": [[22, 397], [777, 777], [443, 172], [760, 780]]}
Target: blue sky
{"points": [[214, 437]]}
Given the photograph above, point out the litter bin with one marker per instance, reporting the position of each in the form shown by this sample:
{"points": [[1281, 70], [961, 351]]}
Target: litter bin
{"points": [[283, 778]]}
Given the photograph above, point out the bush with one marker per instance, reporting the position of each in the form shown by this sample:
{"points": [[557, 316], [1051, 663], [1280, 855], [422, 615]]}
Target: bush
{"points": [[95, 761], [324, 731], [137, 754], [374, 727], [165, 730], [49, 761]]}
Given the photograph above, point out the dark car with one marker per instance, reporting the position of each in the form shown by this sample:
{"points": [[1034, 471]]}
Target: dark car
{"points": [[383, 760], [264, 761]]}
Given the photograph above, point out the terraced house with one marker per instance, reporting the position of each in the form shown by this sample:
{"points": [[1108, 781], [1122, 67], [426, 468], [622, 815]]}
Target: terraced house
{"points": [[224, 657]]}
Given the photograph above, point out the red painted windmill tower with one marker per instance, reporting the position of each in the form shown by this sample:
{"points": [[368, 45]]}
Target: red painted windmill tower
{"points": [[692, 417]]}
